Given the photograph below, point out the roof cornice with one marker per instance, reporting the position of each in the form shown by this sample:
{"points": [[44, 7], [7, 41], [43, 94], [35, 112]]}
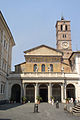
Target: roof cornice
{"points": [[6, 26], [42, 46]]}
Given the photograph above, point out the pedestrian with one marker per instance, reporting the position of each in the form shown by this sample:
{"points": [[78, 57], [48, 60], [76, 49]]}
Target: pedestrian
{"points": [[52, 102]]}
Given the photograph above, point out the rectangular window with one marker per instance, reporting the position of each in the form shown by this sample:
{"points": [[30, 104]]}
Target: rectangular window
{"points": [[3, 65], [0, 36], [6, 46], [1, 88], [4, 43]]}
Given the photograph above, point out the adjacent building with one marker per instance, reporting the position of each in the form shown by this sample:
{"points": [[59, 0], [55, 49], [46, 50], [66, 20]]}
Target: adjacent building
{"points": [[75, 66], [6, 44]]}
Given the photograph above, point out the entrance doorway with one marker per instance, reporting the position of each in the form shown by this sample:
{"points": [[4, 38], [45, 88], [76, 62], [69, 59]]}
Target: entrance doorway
{"points": [[56, 92], [16, 92], [30, 93], [70, 91], [43, 92]]}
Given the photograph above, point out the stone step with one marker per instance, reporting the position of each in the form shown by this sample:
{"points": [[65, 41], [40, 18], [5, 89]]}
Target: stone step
{"points": [[76, 110], [76, 107], [76, 114]]}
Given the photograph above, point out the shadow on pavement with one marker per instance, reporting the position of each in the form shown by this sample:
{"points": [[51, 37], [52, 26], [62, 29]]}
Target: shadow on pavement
{"points": [[5, 119], [9, 106]]}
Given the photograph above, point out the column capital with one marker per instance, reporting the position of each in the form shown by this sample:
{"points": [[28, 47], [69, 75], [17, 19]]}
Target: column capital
{"points": [[61, 84], [52, 84], [26, 84], [36, 84]]}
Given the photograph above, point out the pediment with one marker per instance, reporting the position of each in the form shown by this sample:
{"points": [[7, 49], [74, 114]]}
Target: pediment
{"points": [[43, 50]]}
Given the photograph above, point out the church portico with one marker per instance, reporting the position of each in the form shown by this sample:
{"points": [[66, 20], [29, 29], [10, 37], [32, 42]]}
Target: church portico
{"points": [[43, 90], [53, 85], [58, 90]]}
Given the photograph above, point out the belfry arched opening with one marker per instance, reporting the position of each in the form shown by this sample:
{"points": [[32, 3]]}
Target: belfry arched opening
{"points": [[43, 92], [16, 92]]}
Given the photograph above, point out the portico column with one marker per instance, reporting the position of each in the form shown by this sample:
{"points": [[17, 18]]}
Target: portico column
{"points": [[7, 87], [76, 92], [49, 92], [22, 90], [64, 91], [36, 91], [21, 93], [0, 86], [61, 92]]}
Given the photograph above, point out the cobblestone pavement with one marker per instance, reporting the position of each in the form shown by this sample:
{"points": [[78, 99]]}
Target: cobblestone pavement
{"points": [[26, 112]]}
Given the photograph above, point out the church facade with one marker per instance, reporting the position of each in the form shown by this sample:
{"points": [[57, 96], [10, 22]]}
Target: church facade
{"points": [[47, 71]]}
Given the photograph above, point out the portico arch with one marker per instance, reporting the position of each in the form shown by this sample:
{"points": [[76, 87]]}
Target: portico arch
{"points": [[56, 92], [16, 92], [70, 91], [30, 92], [43, 92]]}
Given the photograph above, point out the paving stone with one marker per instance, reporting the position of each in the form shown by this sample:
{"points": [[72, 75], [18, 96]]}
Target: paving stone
{"points": [[26, 112]]}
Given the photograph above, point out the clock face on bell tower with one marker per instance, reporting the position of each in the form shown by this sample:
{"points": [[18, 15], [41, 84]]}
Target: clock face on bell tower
{"points": [[63, 36], [65, 45]]}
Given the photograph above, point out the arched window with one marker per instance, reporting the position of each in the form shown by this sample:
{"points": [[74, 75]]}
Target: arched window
{"points": [[61, 27], [43, 68], [51, 67], [35, 67], [63, 35], [66, 27]]}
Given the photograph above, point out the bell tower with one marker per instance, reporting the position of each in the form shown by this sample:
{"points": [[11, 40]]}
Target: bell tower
{"points": [[63, 37]]}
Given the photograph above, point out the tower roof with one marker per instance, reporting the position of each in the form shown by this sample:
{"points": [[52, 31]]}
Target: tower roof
{"points": [[62, 18]]}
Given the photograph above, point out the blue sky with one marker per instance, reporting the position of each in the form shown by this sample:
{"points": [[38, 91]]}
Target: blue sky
{"points": [[32, 23]]}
